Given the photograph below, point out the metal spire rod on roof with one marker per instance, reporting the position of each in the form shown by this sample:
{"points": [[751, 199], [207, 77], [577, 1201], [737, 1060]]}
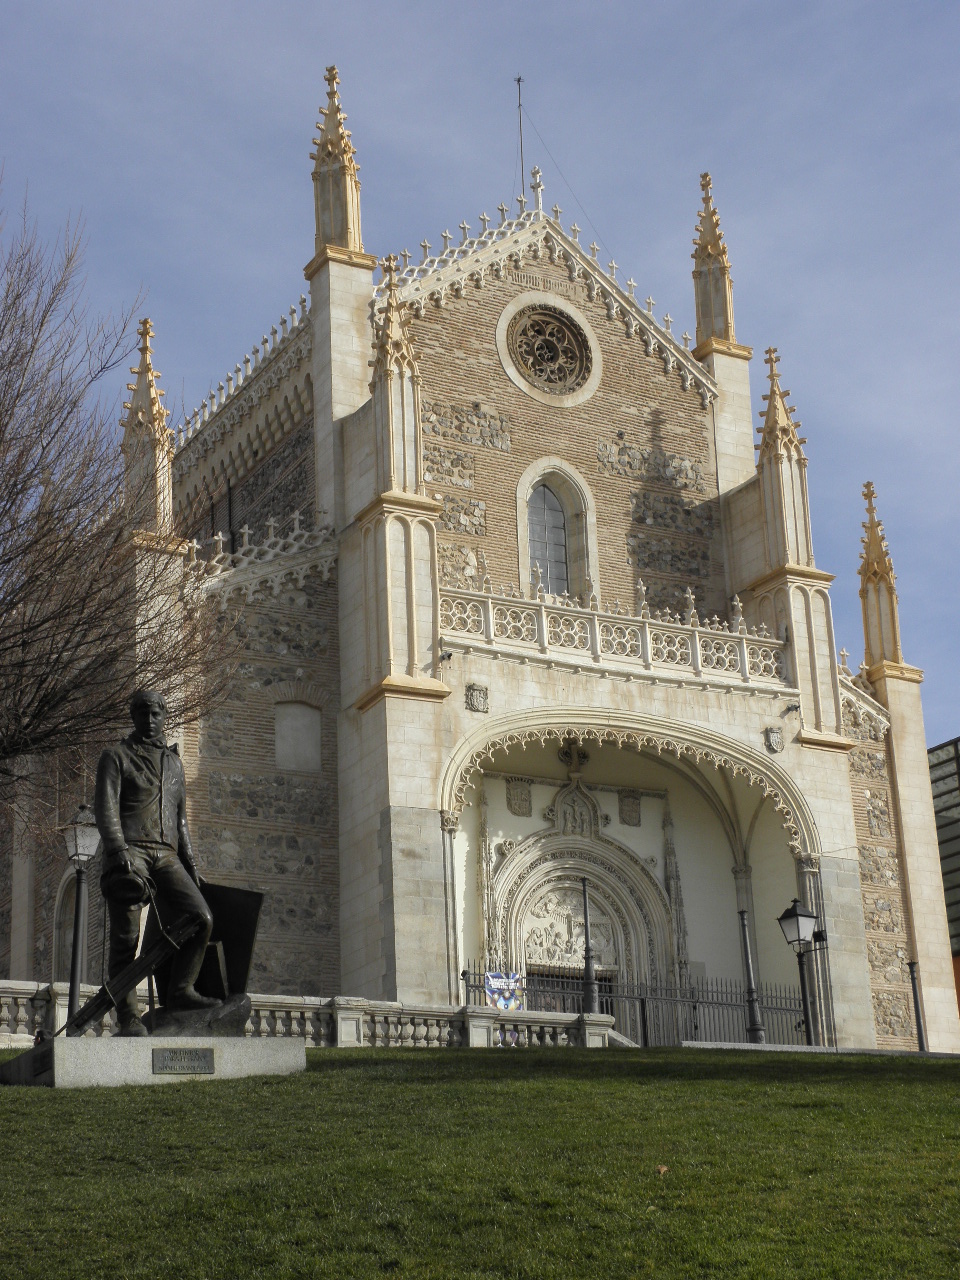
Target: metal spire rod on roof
{"points": [[523, 171]]}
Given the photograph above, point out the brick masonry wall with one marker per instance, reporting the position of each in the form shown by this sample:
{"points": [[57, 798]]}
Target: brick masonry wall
{"points": [[641, 442], [881, 880]]}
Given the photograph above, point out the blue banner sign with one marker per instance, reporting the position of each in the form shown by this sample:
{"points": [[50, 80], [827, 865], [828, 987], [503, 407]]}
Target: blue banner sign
{"points": [[504, 991]]}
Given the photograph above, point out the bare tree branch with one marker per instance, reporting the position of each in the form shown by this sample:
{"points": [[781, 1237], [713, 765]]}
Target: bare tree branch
{"points": [[89, 605]]}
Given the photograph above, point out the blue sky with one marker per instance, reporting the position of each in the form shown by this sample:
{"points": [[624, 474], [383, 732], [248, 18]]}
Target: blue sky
{"points": [[181, 134]]}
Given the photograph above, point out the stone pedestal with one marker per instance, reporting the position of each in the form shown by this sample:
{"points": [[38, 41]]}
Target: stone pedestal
{"points": [[81, 1062]]}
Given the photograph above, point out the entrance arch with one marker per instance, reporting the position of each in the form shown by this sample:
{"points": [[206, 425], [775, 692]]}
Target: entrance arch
{"points": [[744, 829]]}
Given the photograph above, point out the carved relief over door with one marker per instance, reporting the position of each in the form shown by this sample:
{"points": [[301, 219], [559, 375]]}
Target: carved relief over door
{"points": [[554, 934]]}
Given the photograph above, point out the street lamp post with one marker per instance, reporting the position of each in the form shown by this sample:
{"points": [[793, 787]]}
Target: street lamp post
{"points": [[799, 925], [82, 839], [591, 992], [755, 1029]]}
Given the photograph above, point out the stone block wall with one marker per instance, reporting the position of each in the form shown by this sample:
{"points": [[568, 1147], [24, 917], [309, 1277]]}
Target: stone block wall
{"points": [[881, 879], [258, 826]]}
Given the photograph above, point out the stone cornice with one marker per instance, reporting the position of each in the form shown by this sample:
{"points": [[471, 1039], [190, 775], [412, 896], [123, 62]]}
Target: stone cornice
{"points": [[334, 253], [399, 503], [720, 346], [789, 573], [423, 687], [894, 671]]}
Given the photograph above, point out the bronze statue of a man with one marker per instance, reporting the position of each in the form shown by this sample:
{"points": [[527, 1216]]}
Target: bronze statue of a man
{"points": [[141, 815]]}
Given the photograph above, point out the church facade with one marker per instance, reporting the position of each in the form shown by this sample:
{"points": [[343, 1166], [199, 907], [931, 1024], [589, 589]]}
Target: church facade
{"points": [[528, 597]]}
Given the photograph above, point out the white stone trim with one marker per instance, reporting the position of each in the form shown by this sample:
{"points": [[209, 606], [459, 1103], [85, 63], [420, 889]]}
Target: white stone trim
{"points": [[630, 730]]}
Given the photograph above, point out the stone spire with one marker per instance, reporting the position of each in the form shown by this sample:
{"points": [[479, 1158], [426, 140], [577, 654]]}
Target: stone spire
{"points": [[782, 468], [778, 435], [147, 445], [395, 389], [393, 351], [712, 285], [878, 593], [336, 187]]}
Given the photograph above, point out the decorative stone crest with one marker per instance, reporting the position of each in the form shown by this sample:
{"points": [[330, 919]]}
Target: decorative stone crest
{"points": [[773, 738], [519, 800], [629, 804], [477, 697]]}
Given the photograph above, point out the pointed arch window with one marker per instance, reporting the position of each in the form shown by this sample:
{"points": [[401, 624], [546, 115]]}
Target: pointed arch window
{"points": [[547, 528]]}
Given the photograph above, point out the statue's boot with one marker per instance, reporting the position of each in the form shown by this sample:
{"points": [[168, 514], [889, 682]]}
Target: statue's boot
{"points": [[189, 998], [131, 1026]]}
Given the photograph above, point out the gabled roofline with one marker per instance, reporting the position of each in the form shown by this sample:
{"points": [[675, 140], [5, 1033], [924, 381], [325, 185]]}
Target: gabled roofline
{"points": [[432, 279]]}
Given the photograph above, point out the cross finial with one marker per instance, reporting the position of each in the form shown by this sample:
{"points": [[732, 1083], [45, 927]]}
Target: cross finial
{"points": [[522, 202], [650, 303], [405, 255], [536, 186], [844, 655], [145, 333], [556, 211], [575, 232], [333, 79], [870, 493], [685, 338], [503, 211], [484, 219], [446, 236], [425, 246], [706, 184], [631, 286], [667, 321], [388, 266], [464, 228], [594, 249], [613, 268]]}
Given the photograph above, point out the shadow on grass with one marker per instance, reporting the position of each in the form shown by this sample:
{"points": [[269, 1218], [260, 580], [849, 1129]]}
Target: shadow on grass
{"points": [[694, 1065]]}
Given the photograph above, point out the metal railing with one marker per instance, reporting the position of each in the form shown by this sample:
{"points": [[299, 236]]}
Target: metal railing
{"points": [[706, 1010]]}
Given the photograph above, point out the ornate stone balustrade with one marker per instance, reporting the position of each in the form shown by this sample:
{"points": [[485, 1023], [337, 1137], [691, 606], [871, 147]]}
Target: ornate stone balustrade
{"points": [[26, 1007], [262, 354], [281, 559], [337, 1022], [590, 638]]}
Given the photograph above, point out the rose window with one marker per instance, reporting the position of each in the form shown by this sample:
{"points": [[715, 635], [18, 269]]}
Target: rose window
{"points": [[550, 349]]}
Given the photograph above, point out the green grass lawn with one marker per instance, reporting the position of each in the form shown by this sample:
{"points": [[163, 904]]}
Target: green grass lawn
{"points": [[494, 1164]]}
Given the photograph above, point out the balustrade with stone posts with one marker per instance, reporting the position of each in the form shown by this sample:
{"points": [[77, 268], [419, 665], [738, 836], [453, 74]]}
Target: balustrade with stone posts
{"points": [[560, 628], [332, 1022]]}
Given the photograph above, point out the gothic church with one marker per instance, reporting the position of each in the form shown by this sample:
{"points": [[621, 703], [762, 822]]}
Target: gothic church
{"points": [[529, 595]]}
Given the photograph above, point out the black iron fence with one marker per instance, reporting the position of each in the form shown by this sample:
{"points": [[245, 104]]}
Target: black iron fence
{"points": [[708, 1010]]}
